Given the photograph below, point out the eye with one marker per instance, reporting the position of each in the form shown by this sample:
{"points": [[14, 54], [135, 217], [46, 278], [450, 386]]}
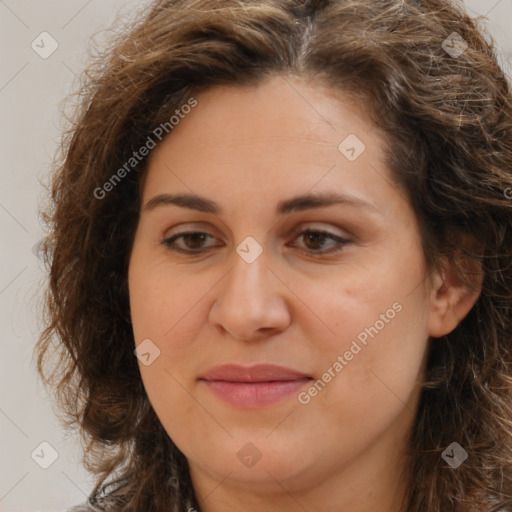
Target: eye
{"points": [[193, 241], [314, 239]]}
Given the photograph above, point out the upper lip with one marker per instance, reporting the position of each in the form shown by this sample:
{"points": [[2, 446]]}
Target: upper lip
{"points": [[256, 373]]}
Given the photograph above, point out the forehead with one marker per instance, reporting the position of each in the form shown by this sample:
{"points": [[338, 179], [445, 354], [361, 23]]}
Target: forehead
{"points": [[271, 113], [282, 137]]}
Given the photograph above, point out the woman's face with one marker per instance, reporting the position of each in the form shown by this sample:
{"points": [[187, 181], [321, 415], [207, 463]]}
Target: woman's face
{"points": [[306, 257]]}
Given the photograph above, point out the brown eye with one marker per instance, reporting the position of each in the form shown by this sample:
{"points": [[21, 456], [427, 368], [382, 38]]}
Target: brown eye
{"points": [[193, 241], [315, 240]]}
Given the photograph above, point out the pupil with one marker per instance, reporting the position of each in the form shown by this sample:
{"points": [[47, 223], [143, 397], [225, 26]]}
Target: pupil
{"points": [[316, 237], [196, 237]]}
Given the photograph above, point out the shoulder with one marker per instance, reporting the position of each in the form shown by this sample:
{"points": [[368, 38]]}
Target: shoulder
{"points": [[110, 501]]}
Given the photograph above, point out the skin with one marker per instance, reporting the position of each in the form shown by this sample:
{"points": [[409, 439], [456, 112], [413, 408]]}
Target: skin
{"points": [[247, 149]]}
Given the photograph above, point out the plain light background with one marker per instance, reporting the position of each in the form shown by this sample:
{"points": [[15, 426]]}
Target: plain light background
{"points": [[31, 91]]}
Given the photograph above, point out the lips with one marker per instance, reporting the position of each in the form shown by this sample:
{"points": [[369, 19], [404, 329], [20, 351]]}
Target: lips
{"points": [[255, 386], [257, 373]]}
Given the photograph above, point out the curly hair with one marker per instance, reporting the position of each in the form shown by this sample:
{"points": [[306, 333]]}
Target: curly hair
{"points": [[447, 119]]}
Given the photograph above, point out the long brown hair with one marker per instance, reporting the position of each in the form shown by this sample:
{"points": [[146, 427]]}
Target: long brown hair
{"points": [[447, 116]]}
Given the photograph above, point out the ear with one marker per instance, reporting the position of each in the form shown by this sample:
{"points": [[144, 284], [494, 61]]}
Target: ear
{"points": [[451, 299]]}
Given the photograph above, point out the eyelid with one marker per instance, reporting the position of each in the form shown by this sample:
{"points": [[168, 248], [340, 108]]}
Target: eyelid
{"points": [[313, 226], [303, 226]]}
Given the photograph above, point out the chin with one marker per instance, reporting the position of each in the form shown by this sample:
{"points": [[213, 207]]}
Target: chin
{"points": [[260, 463]]}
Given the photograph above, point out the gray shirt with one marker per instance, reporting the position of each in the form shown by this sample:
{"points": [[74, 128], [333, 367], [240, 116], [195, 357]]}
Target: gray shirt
{"points": [[85, 508]]}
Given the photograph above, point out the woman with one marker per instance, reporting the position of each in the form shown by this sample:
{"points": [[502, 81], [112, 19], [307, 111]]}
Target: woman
{"points": [[281, 261]]}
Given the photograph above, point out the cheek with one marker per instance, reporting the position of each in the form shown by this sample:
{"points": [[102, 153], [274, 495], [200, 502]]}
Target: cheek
{"points": [[168, 307], [372, 302], [377, 344], [162, 298], [163, 315]]}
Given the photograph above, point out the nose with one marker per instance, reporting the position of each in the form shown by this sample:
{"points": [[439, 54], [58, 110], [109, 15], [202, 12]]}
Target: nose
{"points": [[251, 302]]}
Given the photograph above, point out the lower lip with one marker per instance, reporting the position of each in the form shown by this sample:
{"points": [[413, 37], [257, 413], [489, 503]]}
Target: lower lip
{"points": [[252, 395]]}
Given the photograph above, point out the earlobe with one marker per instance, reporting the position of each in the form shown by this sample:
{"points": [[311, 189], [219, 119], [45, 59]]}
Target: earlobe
{"points": [[451, 300]]}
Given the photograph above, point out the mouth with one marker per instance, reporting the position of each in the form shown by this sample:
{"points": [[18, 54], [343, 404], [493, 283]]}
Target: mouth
{"points": [[254, 387]]}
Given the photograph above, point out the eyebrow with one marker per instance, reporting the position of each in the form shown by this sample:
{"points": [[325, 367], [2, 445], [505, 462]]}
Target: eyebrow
{"points": [[294, 204]]}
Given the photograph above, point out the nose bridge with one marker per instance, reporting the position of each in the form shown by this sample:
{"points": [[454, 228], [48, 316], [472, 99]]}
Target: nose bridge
{"points": [[249, 277], [248, 299]]}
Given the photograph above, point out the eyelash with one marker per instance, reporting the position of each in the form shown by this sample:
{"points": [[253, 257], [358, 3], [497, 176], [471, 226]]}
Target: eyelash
{"points": [[341, 242]]}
